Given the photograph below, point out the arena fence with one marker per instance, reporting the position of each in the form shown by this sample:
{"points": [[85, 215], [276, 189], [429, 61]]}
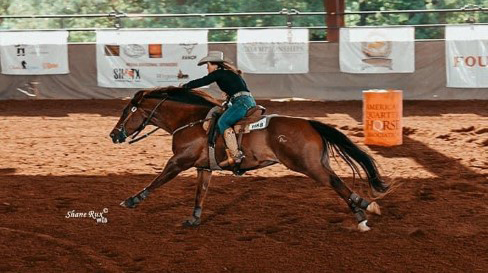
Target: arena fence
{"points": [[119, 20], [324, 81]]}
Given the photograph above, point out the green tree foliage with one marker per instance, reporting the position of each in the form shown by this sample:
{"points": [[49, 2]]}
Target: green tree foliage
{"points": [[29, 7], [416, 18]]}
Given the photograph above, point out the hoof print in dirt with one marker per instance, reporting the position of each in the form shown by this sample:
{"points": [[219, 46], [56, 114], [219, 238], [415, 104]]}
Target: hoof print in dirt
{"points": [[417, 233]]}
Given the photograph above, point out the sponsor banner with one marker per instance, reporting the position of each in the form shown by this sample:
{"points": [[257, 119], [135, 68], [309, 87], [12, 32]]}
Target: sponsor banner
{"points": [[272, 51], [377, 50], [142, 59], [34, 52], [467, 56]]}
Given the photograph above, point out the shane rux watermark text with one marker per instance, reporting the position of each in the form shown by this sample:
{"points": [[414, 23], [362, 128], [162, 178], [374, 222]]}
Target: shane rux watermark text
{"points": [[95, 215]]}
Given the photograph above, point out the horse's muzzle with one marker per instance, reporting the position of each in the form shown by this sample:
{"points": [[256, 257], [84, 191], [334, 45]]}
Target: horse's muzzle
{"points": [[118, 136]]}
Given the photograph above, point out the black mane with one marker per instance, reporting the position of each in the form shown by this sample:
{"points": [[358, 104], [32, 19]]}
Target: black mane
{"points": [[195, 97]]}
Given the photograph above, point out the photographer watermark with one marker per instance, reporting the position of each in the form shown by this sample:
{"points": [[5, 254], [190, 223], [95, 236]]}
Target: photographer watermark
{"points": [[95, 215]]}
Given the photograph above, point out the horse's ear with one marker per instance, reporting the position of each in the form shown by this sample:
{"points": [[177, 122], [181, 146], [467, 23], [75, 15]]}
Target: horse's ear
{"points": [[138, 97]]}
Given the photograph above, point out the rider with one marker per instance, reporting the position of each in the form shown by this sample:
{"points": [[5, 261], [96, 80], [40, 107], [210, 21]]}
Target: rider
{"points": [[239, 99]]}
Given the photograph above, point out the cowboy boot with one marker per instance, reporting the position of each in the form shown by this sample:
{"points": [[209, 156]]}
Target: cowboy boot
{"points": [[234, 156]]}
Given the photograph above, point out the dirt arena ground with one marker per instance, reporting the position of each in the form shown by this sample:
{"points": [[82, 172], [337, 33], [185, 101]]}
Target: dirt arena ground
{"points": [[56, 159]]}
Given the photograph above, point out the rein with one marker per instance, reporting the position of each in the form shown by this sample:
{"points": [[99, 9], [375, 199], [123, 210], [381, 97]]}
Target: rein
{"points": [[144, 136], [191, 124], [148, 119], [143, 125]]}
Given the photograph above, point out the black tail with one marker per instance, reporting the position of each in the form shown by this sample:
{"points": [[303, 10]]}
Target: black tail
{"points": [[351, 153]]}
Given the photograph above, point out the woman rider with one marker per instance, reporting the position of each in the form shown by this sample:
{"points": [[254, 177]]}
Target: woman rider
{"points": [[230, 81]]}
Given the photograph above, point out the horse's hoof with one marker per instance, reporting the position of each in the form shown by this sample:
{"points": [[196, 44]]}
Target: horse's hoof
{"points": [[193, 222], [363, 227], [374, 208], [130, 203]]}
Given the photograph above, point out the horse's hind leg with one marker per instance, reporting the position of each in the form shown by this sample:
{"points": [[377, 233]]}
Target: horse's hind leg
{"points": [[320, 173], [204, 177], [354, 201]]}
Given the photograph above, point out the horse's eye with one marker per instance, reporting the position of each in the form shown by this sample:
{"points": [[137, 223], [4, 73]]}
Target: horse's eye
{"points": [[133, 109]]}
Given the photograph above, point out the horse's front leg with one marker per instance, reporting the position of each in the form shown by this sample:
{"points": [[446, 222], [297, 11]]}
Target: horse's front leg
{"points": [[204, 177], [170, 171]]}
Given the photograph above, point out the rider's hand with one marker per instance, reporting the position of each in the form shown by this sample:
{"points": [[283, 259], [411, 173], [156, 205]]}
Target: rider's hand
{"points": [[206, 124]]}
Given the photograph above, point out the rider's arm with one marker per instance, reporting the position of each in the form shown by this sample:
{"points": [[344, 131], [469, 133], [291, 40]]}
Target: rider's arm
{"points": [[210, 78]]}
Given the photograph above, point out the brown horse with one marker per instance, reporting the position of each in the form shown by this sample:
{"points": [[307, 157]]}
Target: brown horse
{"points": [[301, 145]]}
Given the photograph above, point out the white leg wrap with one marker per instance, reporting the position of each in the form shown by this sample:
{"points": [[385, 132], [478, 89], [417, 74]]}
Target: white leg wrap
{"points": [[374, 208], [363, 227]]}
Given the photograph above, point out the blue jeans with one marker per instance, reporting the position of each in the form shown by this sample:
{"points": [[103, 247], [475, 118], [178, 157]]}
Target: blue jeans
{"points": [[235, 112]]}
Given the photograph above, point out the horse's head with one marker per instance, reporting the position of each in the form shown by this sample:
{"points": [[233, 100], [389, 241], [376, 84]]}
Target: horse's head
{"points": [[133, 120], [141, 110]]}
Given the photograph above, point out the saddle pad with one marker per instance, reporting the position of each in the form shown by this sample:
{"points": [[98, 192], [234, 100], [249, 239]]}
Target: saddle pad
{"points": [[260, 124]]}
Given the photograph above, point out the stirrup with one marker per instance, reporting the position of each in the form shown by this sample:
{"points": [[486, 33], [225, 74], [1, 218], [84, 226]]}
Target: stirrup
{"points": [[239, 157], [231, 160]]}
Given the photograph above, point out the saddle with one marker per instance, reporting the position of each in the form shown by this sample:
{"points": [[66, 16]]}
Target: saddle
{"points": [[253, 120], [253, 115], [243, 126]]}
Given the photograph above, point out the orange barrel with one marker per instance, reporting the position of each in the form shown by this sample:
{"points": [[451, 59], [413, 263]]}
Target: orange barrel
{"points": [[382, 117]]}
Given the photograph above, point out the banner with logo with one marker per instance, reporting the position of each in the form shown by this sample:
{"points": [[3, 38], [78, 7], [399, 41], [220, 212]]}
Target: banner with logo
{"points": [[272, 51], [141, 59], [34, 52], [377, 50], [467, 56]]}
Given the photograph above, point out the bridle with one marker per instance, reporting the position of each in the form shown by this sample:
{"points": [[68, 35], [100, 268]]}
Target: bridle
{"points": [[143, 124], [146, 122]]}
